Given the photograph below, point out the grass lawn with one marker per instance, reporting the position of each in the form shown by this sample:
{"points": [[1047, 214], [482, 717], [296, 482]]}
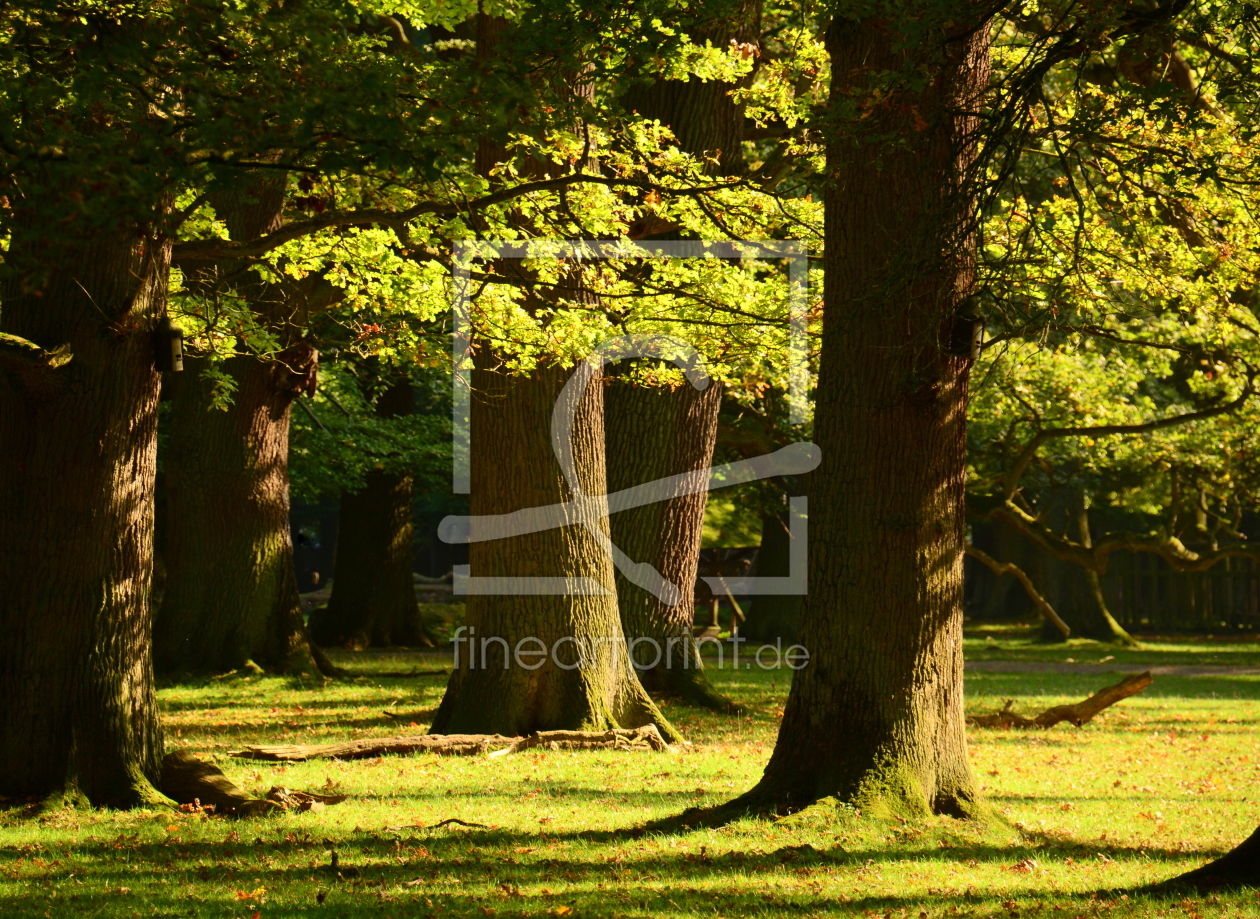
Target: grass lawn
{"points": [[1157, 785], [1007, 642]]}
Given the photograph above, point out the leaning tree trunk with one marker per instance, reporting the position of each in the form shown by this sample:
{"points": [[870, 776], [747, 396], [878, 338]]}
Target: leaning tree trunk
{"points": [[78, 452], [505, 685], [651, 434], [231, 592], [876, 718], [373, 598]]}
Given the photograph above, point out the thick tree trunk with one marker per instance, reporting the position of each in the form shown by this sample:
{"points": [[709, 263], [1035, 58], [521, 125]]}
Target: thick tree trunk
{"points": [[77, 464], [876, 718], [231, 591], [373, 598], [653, 433], [774, 617], [583, 678]]}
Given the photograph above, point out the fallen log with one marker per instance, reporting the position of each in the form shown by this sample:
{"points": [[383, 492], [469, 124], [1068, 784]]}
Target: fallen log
{"points": [[644, 738], [1077, 714], [372, 747]]}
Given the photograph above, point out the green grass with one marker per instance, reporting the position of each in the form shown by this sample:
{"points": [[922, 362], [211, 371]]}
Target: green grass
{"points": [[1007, 642], [1155, 786]]}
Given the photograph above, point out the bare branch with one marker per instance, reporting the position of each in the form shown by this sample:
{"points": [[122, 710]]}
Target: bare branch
{"points": [[1001, 568]]}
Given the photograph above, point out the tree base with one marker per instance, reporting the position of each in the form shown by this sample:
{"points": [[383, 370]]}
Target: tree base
{"points": [[1238, 869], [137, 794]]}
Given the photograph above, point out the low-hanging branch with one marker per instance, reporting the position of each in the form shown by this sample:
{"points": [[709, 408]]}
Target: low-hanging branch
{"points": [[643, 738], [1001, 568], [1077, 714]]}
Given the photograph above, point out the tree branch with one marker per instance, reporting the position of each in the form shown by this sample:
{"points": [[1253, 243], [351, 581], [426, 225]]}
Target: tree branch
{"points": [[216, 248], [1001, 568], [1094, 558], [30, 362], [1011, 484]]}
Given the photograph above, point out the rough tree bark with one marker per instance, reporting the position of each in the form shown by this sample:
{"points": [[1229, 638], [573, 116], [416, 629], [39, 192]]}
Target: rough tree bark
{"points": [[77, 464], [876, 718], [492, 690], [653, 433], [231, 591], [373, 598]]}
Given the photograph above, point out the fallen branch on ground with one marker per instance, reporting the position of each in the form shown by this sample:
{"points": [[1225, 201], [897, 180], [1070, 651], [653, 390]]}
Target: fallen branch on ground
{"points": [[372, 747], [644, 738], [192, 781], [1077, 714], [449, 821]]}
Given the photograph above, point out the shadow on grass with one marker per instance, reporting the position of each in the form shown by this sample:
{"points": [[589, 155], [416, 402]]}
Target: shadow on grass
{"points": [[179, 877]]}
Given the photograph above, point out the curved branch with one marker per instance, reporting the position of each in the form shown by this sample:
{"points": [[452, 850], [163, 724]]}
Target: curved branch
{"points": [[1001, 568], [1011, 484], [1095, 558]]}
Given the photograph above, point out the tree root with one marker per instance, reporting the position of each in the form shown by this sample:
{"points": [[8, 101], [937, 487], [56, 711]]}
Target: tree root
{"points": [[644, 738], [191, 781], [1077, 714]]}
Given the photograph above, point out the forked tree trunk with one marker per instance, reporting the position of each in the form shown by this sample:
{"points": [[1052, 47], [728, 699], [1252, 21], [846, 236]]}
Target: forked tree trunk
{"points": [[495, 690], [651, 434], [231, 591], [78, 454], [876, 718], [373, 598], [1074, 591]]}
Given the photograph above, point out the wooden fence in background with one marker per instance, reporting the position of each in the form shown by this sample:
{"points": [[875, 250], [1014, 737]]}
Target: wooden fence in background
{"points": [[1143, 592]]}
